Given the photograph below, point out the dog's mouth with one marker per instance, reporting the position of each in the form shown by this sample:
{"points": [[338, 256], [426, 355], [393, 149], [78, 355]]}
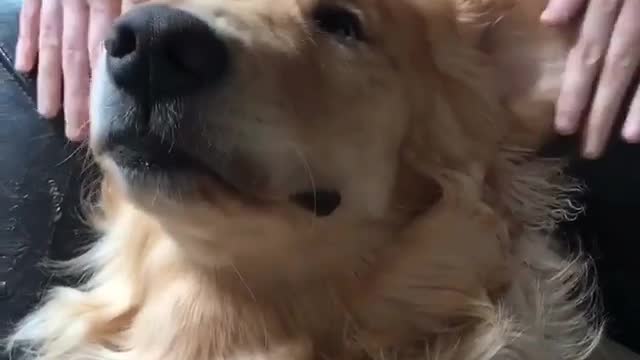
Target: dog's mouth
{"points": [[148, 155], [148, 159]]}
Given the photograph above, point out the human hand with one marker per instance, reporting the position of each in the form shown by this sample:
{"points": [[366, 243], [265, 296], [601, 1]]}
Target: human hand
{"points": [[65, 36], [607, 55]]}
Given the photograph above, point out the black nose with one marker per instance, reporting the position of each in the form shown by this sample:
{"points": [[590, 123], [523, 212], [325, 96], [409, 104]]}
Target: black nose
{"points": [[158, 52]]}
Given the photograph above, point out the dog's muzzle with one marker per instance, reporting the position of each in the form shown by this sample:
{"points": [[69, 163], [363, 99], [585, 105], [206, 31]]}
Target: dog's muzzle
{"points": [[160, 63], [158, 59]]}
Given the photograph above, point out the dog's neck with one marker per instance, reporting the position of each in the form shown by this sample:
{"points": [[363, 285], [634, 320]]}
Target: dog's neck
{"points": [[233, 306]]}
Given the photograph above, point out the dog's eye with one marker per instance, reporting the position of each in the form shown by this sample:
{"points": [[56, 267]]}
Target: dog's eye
{"points": [[339, 22]]}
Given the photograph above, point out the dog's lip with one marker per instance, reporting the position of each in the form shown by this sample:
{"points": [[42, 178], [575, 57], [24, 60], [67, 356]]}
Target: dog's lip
{"points": [[322, 202], [149, 154]]}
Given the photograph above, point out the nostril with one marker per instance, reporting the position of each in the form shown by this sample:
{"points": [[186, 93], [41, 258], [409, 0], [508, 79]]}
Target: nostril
{"points": [[121, 42]]}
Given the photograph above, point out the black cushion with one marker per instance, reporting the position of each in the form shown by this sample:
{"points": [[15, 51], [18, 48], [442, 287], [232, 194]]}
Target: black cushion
{"points": [[39, 175]]}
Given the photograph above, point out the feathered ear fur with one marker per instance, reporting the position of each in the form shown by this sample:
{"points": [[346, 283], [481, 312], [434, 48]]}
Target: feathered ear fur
{"points": [[474, 17], [474, 126], [433, 283], [458, 118], [463, 259], [528, 56]]}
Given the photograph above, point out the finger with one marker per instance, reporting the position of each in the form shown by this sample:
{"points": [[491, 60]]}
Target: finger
{"points": [[621, 62], [128, 4], [103, 14], [583, 63], [50, 59], [561, 11], [75, 67], [27, 46], [631, 130]]}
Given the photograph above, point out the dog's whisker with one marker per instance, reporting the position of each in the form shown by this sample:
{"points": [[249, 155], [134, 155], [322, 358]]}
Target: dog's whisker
{"points": [[244, 282], [73, 153], [312, 181]]}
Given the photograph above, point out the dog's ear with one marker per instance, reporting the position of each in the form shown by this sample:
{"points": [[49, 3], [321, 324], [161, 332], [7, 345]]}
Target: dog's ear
{"points": [[474, 17], [505, 40], [528, 58], [458, 119]]}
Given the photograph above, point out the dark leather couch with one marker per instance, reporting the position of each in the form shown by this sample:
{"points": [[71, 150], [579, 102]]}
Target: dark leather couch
{"points": [[40, 174], [39, 184]]}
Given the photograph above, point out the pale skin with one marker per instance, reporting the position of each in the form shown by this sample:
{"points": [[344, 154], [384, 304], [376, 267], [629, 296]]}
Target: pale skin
{"points": [[608, 50], [66, 36]]}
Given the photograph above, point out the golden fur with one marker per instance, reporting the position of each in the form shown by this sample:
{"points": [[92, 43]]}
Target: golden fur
{"points": [[443, 249]]}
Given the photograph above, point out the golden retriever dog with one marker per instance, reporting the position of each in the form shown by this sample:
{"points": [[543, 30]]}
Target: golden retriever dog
{"points": [[325, 179]]}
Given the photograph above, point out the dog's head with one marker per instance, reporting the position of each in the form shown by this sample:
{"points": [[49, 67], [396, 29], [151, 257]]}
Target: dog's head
{"points": [[261, 127]]}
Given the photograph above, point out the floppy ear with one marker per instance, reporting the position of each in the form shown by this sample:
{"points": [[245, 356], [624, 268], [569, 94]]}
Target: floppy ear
{"points": [[437, 281], [528, 57], [522, 58], [474, 17], [455, 257], [458, 120]]}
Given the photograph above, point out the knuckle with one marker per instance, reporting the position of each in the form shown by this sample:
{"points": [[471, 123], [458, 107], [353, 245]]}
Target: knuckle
{"points": [[103, 5], [609, 6], [73, 44], [590, 54], [624, 60], [49, 44], [50, 28], [599, 117], [31, 6], [30, 14], [73, 53]]}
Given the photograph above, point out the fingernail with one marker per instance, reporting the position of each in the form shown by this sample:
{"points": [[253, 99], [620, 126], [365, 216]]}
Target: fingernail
{"points": [[25, 60], [42, 108], [20, 63], [589, 154], [46, 108], [631, 133], [553, 17], [546, 16], [591, 151], [565, 127], [76, 133]]}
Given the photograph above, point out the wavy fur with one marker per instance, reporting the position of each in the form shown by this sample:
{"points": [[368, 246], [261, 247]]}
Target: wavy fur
{"points": [[464, 268]]}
